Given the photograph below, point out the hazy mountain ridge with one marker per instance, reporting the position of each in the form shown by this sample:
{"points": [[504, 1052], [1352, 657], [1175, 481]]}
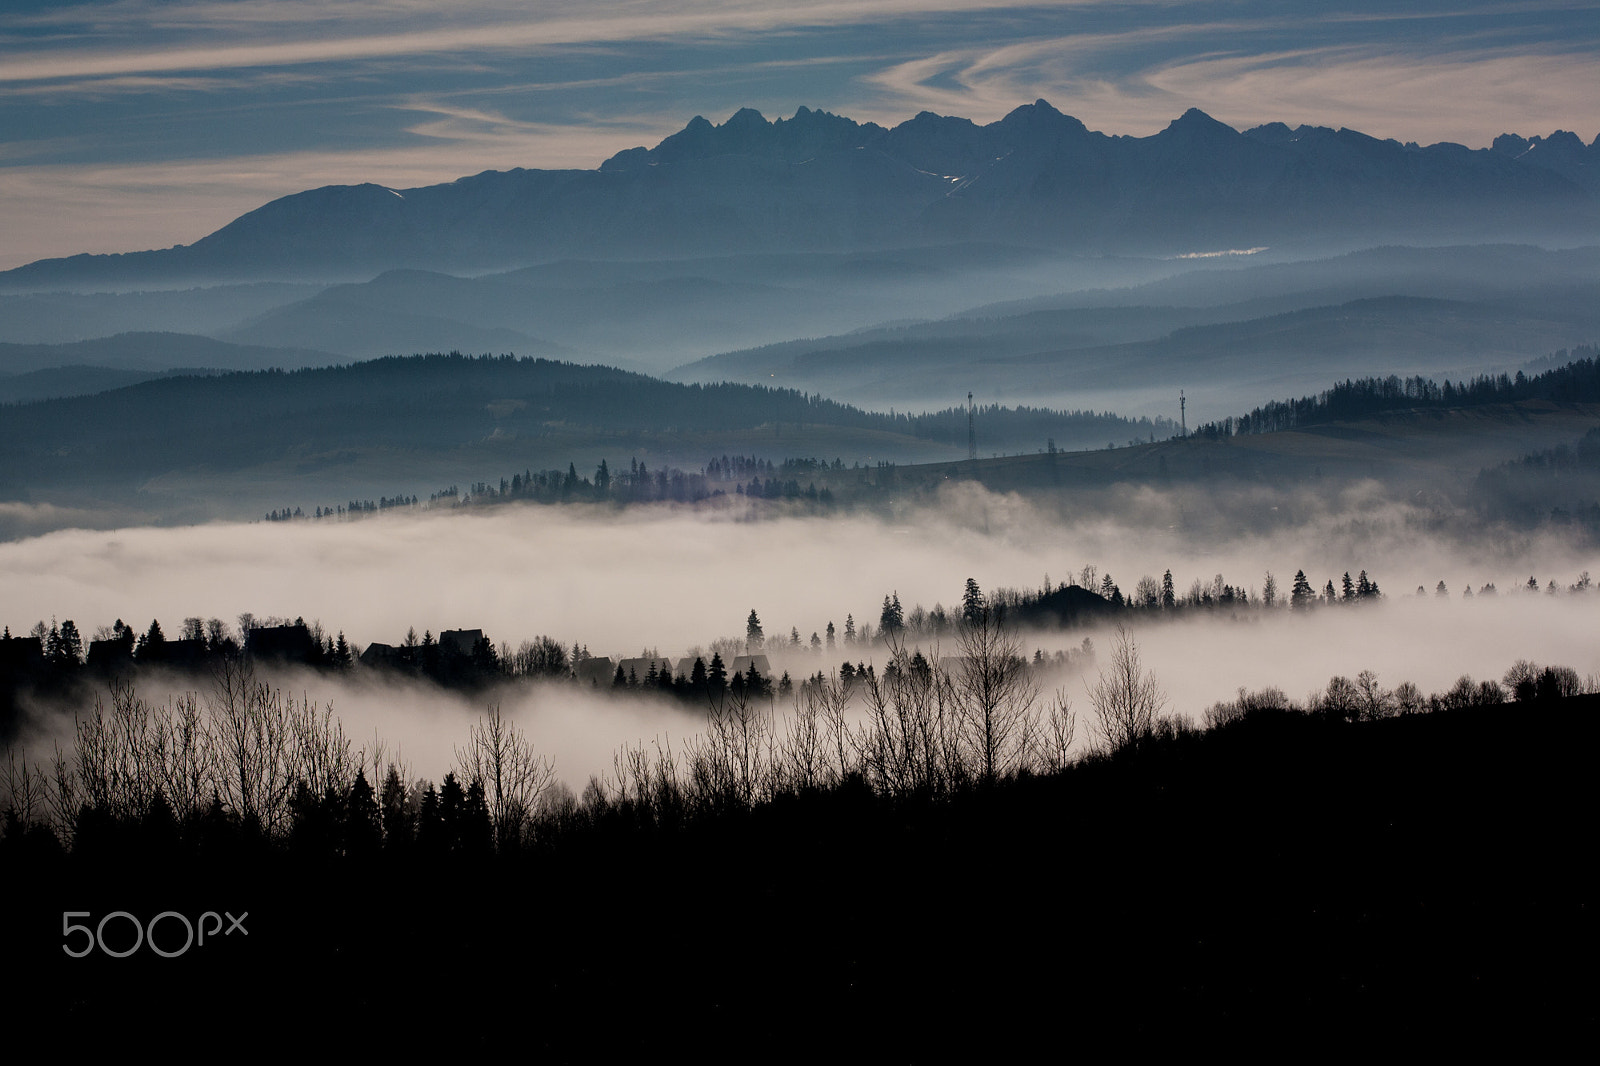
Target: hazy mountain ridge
{"points": [[62, 381], [155, 352], [826, 183], [1057, 353]]}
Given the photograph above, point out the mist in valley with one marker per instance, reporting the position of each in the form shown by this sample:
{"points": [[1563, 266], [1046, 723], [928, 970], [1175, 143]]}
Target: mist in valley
{"points": [[988, 476], [676, 580]]}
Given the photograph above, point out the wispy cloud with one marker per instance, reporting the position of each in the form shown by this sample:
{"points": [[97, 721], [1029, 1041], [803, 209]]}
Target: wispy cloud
{"points": [[1468, 98], [126, 112], [486, 27], [118, 207], [1468, 95]]}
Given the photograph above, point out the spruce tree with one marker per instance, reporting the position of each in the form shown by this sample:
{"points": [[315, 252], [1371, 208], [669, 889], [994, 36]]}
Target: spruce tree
{"points": [[972, 603], [398, 831], [1301, 595], [363, 821]]}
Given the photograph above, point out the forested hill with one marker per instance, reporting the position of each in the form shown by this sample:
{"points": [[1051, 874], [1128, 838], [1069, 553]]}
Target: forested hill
{"points": [[1574, 382], [434, 402]]}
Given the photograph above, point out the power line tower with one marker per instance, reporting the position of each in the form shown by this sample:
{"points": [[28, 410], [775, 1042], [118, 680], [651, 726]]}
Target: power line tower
{"points": [[1183, 412], [972, 432]]}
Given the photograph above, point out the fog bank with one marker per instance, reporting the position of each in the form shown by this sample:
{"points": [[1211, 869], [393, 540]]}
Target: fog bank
{"points": [[670, 579]]}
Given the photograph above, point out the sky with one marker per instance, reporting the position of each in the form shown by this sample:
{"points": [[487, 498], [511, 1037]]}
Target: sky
{"points": [[132, 124]]}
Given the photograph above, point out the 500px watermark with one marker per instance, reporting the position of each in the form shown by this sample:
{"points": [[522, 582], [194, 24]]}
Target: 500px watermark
{"points": [[144, 935]]}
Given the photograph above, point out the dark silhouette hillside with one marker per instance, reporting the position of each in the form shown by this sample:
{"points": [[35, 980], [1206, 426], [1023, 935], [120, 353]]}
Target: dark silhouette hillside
{"points": [[1284, 876], [435, 403]]}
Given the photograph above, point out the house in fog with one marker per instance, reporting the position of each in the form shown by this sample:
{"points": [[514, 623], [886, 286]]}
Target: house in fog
{"points": [[596, 670], [459, 641], [293, 643], [381, 655], [21, 653], [639, 669], [182, 652], [111, 654]]}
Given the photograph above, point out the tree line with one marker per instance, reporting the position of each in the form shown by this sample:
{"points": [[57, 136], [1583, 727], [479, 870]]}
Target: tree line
{"points": [[436, 401], [1557, 486], [246, 765], [1576, 382], [55, 656]]}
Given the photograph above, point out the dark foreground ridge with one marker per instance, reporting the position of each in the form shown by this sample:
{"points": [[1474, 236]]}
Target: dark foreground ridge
{"points": [[1283, 874]]}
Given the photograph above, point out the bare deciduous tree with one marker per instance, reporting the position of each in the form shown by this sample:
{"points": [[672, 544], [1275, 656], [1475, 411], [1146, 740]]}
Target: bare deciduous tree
{"points": [[996, 693], [1060, 726], [513, 774], [264, 743], [1126, 698]]}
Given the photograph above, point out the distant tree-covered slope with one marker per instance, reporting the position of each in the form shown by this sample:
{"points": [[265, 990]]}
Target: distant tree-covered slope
{"points": [[436, 403], [1575, 382], [55, 382]]}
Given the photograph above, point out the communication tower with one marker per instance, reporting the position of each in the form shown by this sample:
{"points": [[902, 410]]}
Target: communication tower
{"points": [[972, 432]]}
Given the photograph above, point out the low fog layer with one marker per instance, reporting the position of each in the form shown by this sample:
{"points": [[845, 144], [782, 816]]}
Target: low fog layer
{"points": [[673, 579], [622, 580]]}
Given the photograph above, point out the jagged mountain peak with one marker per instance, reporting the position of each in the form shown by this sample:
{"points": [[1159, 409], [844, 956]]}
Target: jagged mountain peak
{"points": [[1039, 116], [1195, 122], [820, 181], [746, 117], [749, 132]]}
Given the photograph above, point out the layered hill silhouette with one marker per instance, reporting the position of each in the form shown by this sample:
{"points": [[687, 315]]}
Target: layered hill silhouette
{"points": [[823, 182], [1446, 311], [1056, 353], [237, 443]]}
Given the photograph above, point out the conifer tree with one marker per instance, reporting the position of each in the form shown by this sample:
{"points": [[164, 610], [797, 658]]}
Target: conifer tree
{"points": [[398, 832], [363, 824], [452, 804], [152, 644], [431, 837], [891, 621], [972, 603], [1301, 595]]}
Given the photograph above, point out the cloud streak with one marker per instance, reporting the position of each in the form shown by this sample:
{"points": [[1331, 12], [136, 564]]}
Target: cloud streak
{"points": [[1467, 96], [99, 100], [122, 206], [489, 28]]}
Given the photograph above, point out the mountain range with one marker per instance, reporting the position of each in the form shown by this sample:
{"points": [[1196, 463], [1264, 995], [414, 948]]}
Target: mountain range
{"points": [[825, 183]]}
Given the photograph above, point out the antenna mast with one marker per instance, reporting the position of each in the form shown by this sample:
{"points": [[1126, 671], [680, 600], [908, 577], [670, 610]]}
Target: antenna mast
{"points": [[972, 433], [1183, 412]]}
